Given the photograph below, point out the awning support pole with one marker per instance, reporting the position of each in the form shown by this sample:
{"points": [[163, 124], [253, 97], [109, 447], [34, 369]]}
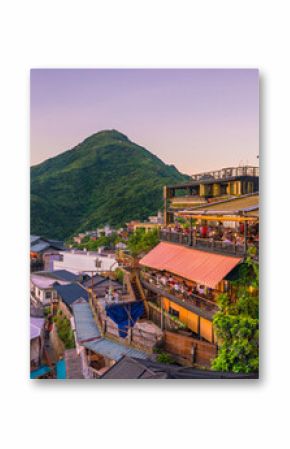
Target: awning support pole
{"points": [[246, 236]]}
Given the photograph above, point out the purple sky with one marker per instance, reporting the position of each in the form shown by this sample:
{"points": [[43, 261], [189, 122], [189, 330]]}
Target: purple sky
{"points": [[195, 119]]}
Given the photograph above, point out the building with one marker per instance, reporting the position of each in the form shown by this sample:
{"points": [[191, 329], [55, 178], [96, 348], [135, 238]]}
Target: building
{"points": [[68, 295], [101, 284], [86, 261], [211, 226], [36, 341], [78, 238], [97, 353], [42, 250], [153, 222], [228, 226], [42, 285], [42, 290], [209, 186], [183, 283]]}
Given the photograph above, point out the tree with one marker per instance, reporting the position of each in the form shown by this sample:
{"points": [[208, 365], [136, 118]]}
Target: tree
{"points": [[141, 241], [236, 324]]}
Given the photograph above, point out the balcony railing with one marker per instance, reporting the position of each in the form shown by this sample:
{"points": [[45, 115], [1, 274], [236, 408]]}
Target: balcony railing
{"points": [[207, 244], [227, 172], [197, 304]]}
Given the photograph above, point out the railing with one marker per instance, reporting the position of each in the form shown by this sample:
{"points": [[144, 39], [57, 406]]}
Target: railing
{"points": [[204, 243], [227, 172], [202, 306]]}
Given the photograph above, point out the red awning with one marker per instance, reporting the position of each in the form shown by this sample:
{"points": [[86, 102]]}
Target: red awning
{"points": [[199, 266]]}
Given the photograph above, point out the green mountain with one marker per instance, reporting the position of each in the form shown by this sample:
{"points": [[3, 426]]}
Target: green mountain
{"points": [[105, 179]]}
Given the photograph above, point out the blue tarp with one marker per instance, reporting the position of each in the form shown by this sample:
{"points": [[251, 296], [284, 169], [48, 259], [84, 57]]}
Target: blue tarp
{"points": [[61, 369], [125, 315], [41, 371]]}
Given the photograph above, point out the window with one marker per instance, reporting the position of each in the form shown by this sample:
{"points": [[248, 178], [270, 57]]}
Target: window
{"points": [[173, 312], [98, 263], [47, 295]]}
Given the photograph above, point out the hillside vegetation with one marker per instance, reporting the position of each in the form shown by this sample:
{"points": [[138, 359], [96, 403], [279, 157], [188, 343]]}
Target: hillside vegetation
{"points": [[105, 179]]}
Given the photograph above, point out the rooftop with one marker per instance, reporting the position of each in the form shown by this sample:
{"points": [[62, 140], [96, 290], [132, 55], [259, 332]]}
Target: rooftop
{"points": [[71, 292], [85, 324], [244, 203], [246, 170], [62, 275], [44, 282], [39, 244], [88, 335], [36, 326], [199, 266], [131, 368]]}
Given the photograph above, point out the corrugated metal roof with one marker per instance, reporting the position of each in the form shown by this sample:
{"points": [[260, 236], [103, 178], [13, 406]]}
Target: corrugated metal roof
{"points": [[86, 327], [37, 244], [112, 350], [199, 266], [38, 247], [88, 335], [237, 204]]}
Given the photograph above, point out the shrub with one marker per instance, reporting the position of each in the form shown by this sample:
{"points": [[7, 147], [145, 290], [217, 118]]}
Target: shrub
{"points": [[163, 357]]}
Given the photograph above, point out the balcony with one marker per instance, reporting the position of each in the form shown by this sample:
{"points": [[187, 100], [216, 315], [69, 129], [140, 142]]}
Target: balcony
{"points": [[199, 305], [207, 244]]}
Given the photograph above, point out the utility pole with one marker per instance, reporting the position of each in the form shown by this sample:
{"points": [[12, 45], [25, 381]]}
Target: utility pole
{"points": [[191, 233]]}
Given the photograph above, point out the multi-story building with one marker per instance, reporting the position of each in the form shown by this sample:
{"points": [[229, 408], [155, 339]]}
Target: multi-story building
{"points": [[207, 234], [184, 283], [209, 186]]}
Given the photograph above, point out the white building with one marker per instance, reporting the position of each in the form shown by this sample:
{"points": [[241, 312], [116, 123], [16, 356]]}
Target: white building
{"points": [[41, 289], [79, 262]]}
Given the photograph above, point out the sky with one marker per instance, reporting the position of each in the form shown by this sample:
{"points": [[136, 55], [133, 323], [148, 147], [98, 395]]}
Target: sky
{"points": [[196, 119]]}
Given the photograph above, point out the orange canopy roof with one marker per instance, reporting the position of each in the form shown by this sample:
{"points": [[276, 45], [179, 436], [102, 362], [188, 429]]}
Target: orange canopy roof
{"points": [[199, 266]]}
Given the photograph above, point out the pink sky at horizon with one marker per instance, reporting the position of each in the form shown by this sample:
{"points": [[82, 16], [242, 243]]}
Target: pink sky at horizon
{"points": [[196, 119]]}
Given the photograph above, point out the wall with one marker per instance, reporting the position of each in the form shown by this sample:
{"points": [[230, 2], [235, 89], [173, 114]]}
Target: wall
{"points": [[56, 342], [195, 323], [77, 262], [65, 310], [40, 294], [36, 351], [190, 350]]}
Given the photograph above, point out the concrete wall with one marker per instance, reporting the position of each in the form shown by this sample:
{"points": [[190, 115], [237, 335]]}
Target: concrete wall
{"points": [[77, 262]]}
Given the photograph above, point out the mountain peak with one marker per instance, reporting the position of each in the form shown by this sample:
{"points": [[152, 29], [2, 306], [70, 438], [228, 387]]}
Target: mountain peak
{"points": [[108, 134], [105, 179]]}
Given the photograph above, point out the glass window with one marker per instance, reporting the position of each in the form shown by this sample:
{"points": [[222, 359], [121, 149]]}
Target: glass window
{"points": [[173, 312]]}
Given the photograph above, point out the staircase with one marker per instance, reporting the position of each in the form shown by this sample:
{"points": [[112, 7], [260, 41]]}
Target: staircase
{"points": [[134, 288]]}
